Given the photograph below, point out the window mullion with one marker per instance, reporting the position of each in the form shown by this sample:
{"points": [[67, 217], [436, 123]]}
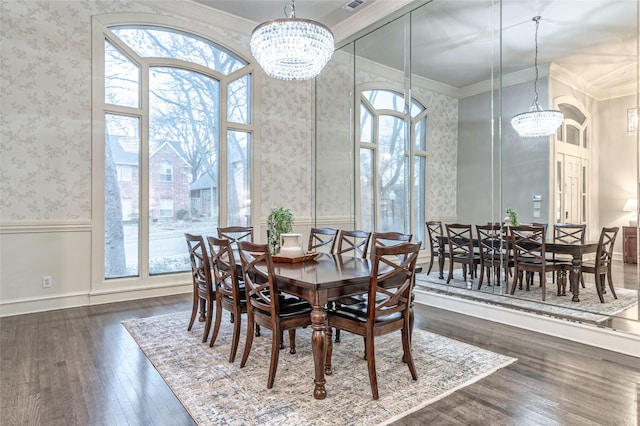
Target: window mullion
{"points": [[144, 173]]}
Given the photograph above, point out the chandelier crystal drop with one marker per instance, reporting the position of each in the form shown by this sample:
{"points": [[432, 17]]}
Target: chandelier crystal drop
{"points": [[291, 48], [537, 121]]}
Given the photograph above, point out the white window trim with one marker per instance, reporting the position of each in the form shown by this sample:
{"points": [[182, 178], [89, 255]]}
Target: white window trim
{"points": [[412, 153], [145, 283]]}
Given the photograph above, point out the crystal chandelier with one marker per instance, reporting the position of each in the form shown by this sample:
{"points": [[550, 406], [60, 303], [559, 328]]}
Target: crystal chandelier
{"points": [[291, 48], [537, 121]]}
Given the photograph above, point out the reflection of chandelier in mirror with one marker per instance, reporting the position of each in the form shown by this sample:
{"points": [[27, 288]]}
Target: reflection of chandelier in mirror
{"points": [[537, 121], [291, 48]]}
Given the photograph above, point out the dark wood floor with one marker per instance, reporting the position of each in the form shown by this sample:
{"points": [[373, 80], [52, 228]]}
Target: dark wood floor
{"points": [[80, 367]]}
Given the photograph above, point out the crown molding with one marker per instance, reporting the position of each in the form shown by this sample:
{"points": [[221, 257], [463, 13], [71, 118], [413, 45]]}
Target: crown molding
{"points": [[375, 12]]}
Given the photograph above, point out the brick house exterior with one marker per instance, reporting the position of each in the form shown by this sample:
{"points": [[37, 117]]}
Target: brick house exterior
{"points": [[169, 174]]}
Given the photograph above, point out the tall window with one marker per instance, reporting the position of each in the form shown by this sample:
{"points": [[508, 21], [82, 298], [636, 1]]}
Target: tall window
{"points": [[177, 113], [393, 163], [572, 157]]}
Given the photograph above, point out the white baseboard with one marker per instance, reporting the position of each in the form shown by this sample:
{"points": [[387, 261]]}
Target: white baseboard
{"points": [[600, 337], [73, 300]]}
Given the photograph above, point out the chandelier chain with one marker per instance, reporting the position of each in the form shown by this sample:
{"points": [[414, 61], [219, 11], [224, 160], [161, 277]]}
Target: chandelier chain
{"points": [[537, 121], [535, 60], [290, 10]]}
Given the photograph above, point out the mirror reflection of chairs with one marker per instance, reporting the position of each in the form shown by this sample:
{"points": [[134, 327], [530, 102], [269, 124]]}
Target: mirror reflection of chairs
{"points": [[528, 244], [601, 266], [493, 256], [568, 233], [435, 233], [461, 250]]}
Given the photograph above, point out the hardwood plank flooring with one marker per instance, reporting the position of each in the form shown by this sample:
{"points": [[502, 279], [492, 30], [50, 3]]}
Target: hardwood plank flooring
{"points": [[80, 367]]}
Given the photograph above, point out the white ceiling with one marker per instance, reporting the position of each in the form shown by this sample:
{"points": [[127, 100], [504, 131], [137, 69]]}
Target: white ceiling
{"points": [[595, 40]]}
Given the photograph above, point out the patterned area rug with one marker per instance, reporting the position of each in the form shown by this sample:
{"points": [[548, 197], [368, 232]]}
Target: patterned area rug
{"points": [[588, 309], [223, 393]]}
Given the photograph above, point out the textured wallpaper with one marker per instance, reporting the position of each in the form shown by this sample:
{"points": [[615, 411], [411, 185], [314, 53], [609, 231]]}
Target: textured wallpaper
{"points": [[45, 119]]}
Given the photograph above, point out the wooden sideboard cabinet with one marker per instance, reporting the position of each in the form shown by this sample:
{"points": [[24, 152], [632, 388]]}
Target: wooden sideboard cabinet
{"points": [[629, 244]]}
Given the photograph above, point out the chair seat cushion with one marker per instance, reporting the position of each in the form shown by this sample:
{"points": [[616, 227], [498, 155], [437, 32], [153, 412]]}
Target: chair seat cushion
{"points": [[358, 312], [243, 296], [290, 306]]}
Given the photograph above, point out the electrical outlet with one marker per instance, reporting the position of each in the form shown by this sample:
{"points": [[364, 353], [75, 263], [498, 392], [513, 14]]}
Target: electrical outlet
{"points": [[46, 282]]}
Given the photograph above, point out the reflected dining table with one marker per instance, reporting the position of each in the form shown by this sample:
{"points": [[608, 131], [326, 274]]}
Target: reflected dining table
{"points": [[576, 251], [319, 281]]}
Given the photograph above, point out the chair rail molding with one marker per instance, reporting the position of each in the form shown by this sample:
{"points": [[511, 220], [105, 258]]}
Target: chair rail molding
{"points": [[37, 226]]}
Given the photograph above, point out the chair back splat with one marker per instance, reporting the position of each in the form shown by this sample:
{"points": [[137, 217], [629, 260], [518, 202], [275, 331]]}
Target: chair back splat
{"points": [[322, 239], [236, 233], [354, 242], [203, 287], [230, 290]]}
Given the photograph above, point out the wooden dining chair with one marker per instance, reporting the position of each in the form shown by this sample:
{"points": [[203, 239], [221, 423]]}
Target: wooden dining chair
{"points": [[204, 294], [461, 249], [528, 245], [390, 311], [322, 239], [230, 292], [493, 255], [568, 233], [236, 233], [388, 239], [354, 242], [434, 230], [601, 266], [267, 306]]}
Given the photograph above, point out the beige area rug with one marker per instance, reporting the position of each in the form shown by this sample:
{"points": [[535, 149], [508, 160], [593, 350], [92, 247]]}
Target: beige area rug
{"points": [[224, 392], [588, 308]]}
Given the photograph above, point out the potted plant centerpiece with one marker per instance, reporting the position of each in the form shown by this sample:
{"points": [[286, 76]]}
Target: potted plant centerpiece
{"points": [[279, 221], [512, 217]]}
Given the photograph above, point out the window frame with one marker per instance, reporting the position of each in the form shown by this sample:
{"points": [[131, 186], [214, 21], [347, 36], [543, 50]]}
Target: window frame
{"points": [[411, 154], [100, 32]]}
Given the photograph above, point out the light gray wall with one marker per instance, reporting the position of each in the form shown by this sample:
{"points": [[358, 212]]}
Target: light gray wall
{"points": [[478, 175], [617, 161], [525, 161]]}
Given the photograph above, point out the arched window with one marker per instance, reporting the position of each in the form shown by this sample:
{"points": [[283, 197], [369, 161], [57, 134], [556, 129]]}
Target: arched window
{"points": [[393, 163], [572, 162], [177, 118]]}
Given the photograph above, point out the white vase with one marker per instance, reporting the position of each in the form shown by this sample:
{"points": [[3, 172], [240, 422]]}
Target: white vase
{"points": [[290, 245], [507, 221]]}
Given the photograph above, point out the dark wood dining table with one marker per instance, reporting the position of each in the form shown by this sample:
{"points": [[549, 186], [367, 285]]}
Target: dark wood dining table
{"points": [[319, 281], [577, 252]]}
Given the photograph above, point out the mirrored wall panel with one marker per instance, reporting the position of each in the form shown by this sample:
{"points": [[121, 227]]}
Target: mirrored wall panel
{"points": [[413, 133]]}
